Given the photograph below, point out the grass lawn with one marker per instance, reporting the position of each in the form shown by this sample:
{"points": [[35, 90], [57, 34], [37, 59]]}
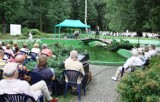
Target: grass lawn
{"points": [[96, 53]]}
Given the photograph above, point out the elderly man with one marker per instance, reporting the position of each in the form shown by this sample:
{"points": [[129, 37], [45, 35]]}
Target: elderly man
{"points": [[131, 62], [12, 85], [72, 63], [46, 51]]}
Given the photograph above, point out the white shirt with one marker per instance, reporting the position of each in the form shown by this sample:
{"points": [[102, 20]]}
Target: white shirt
{"points": [[142, 57], [152, 53], [74, 65], [25, 50], [35, 50], [16, 86], [147, 55], [133, 61]]}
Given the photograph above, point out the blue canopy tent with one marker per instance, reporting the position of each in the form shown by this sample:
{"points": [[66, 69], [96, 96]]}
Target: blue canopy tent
{"points": [[71, 24]]}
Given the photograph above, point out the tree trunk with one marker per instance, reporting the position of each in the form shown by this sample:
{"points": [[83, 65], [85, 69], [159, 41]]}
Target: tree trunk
{"points": [[3, 24], [40, 21], [85, 18]]}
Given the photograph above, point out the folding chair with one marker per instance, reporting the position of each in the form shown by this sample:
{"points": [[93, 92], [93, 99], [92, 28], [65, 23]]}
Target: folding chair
{"points": [[16, 98], [72, 77]]}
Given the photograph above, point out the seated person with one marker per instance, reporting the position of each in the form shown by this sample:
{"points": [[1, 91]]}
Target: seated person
{"points": [[15, 46], [2, 62], [20, 60], [131, 62], [1, 47], [152, 51], [25, 48], [46, 51], [36, 49], [141, 54], [72, 63], [46, 73], [9, 50], [12, 85], [146, 53]]}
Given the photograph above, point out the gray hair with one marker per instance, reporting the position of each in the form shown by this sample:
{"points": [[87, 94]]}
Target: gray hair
{"points": [[9, 69], [44, 46], [74, 54]]}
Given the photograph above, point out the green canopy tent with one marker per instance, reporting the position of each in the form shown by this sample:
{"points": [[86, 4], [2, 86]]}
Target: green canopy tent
{"points": [[71, 24]]}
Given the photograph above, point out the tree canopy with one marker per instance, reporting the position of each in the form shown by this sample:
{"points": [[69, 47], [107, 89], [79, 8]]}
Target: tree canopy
{"points": [[114, 15]]}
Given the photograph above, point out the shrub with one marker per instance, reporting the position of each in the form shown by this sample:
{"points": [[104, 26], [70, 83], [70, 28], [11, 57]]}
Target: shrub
{"points": [[22, 37], [141, 85], [35, 32], [25, 31], [115, 45]]}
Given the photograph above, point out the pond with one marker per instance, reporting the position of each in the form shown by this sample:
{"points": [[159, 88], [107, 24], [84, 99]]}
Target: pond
{"points": [[96, 53]]}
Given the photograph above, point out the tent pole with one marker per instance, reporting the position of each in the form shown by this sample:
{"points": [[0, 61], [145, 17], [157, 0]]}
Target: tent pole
{"points": [[59, 31], [54, 31]]}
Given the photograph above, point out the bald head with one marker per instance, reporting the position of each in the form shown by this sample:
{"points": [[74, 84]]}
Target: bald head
{"points": [[9, 69], [20, 58]]}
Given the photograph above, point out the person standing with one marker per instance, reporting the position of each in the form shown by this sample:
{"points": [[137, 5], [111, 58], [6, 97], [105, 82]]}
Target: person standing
{"points": [[97, 32]]}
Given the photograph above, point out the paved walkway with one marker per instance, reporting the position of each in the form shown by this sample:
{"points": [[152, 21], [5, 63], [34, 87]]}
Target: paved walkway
{"points": [[101, 88]]}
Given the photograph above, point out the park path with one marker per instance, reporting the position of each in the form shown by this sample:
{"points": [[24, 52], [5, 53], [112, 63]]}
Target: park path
{"points": [[102, 87]]}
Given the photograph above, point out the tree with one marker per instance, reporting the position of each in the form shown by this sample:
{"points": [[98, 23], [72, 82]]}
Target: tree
{"points": [[58, 11], [134, 15], [10, 9], [91, 12]]}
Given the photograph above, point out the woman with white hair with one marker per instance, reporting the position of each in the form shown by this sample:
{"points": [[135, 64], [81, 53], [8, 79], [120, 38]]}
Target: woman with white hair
{"points": [[12, 85], [131, 62]]}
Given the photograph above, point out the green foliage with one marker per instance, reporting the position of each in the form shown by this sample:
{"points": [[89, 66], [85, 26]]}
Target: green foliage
{"points": [[22, 37], [141, 85], [10, 11], [30, 65], [115, 45], [25, 31], [134, 15]]}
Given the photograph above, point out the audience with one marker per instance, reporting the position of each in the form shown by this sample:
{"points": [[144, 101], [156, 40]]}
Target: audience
{"points": [[2, 62], [25, 48], [42, 69], [1, 47], [15, 46], [9, 50], [20, 60], [152, 51], [146, 53], [36, 49], [141, 55], [12, 85], [46, 51], [133, 61], [72, 63]]}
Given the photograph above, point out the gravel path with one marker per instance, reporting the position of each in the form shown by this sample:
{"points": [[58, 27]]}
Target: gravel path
{"points": [[102, 87]]}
